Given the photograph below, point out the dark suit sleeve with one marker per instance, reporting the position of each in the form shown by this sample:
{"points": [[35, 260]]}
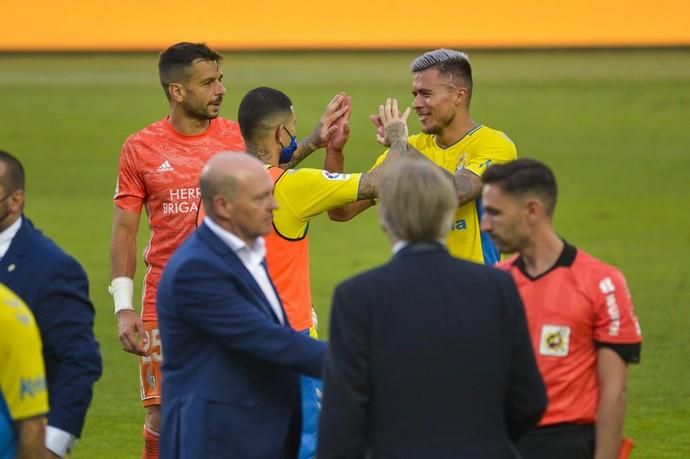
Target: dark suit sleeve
{"points": [[526, 398], [219, 305], [343, 422], [65, 317]]}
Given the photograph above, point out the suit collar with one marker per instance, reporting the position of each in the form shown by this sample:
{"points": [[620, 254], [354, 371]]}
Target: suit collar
{"points": [[225, 252], [413, 248]]}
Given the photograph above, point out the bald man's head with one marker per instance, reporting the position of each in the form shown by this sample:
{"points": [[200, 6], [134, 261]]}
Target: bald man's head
{"points": [[222, 173], [237, 193]]}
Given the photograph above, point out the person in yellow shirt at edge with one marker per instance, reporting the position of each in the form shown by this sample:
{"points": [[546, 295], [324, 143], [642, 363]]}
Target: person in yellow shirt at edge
{"points": [[268, 125], [23, 394], [442, 90]]}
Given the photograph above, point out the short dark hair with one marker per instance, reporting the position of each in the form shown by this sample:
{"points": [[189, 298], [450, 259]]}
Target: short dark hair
{"points": [[524, 176], [448, 62], [257, 108], [176, 60], [13, 178]]}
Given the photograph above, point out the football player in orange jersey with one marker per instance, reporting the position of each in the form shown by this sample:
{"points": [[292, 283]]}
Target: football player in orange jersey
{"points": [[159, 170]]}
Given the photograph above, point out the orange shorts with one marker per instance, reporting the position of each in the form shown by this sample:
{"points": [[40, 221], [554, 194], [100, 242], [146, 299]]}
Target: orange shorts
{"points": [[150, 366]]}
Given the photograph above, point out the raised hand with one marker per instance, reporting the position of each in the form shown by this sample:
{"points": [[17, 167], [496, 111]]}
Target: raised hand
{"points": [[391, 125], [341, 135], [326, 126]]}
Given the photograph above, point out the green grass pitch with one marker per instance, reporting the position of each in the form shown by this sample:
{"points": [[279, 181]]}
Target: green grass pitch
{"points": [[613, 125]]}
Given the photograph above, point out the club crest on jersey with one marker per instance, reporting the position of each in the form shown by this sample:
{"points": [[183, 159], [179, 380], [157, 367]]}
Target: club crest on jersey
{"points": [[335, 176], [555, 340], [151, 379]]}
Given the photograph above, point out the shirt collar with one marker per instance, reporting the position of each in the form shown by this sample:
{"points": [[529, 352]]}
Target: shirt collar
{"points": [[9, 233], [256, 252], [399, 245]]}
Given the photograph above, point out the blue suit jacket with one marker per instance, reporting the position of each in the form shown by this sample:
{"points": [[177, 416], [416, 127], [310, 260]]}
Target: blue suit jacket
{"points": [[231, 370], [56, 289]]}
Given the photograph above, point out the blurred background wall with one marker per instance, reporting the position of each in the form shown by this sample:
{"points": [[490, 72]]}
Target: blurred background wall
{"points": [[52, 25]]}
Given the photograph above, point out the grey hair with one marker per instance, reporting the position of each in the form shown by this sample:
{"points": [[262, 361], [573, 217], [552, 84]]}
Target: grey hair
{"points": [[437, 57], [418, 201], [449, 62]]}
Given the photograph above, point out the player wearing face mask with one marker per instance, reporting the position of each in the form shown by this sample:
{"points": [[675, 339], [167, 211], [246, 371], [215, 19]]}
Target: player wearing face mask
{"points": [[267, 121]]}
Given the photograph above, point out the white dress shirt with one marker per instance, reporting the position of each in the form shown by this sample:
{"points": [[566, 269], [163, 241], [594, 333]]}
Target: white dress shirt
{"points": [[7, 236], [252, 258], [57, 440]]}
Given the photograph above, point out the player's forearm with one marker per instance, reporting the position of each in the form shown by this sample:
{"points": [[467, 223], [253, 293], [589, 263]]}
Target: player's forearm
{"points": [[335, 160], [609, 425], [31, 438], [467, 186], [123, 248], [349, 211]]}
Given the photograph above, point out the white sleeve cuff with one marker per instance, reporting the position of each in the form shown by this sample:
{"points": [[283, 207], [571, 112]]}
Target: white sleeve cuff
{"points": [[59, 441]]}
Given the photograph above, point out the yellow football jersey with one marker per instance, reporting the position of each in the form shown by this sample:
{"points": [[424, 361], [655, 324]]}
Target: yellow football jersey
{"points": [[23, 392], [304, 193], [478, 149]]}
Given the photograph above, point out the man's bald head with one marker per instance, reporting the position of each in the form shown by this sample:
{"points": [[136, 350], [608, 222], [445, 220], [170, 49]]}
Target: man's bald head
{"points": [[224, 174], [237, 193]]}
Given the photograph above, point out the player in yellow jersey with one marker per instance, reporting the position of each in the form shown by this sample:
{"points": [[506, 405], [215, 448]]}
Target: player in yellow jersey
{"points": [[23, 394], [267, 121], [442, 90]]}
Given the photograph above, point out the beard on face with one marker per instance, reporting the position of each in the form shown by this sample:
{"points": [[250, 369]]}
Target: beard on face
{"points": [[202, 111]]}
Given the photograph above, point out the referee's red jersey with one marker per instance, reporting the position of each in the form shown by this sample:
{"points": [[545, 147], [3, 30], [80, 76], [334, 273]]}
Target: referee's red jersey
{"points": [[574, 308]]}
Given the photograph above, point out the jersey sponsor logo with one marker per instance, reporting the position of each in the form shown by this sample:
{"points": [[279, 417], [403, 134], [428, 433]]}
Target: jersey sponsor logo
{"points": [[165, 167], [458, 225], [179, 202], [555, 340], [30, 387], [335, 176], [608, 288]]}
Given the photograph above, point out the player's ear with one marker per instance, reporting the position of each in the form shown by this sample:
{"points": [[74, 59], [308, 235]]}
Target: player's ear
{"points": [[461, 95], [222, 207], [535, 209], [176, 92]]}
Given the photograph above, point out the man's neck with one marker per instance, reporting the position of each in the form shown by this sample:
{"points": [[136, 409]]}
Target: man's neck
{"points": [[543, 252], [262, 153], [456, 131], [8, 221], [185, 125]]}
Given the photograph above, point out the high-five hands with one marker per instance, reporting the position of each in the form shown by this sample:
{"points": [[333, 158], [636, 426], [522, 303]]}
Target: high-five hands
{"points": [[328, 126], [390, 124]]}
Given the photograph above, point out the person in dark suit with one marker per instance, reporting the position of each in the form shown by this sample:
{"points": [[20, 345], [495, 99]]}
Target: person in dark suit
{"points": [[56, 289], [429, 356], [232, 361]]}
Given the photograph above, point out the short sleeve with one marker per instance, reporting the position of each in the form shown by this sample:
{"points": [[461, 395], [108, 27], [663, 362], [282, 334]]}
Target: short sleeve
{"points": [[22, 378], [498, 151], [130, 190], [615, 320], [310, 192]]}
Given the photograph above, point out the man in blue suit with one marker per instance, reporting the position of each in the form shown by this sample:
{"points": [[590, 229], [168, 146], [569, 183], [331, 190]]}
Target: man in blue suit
{"points": [[232, 361], [56, 289]]}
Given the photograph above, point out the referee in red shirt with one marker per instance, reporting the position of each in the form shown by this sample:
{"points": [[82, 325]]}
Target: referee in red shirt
{"points": [[579, 313]]}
